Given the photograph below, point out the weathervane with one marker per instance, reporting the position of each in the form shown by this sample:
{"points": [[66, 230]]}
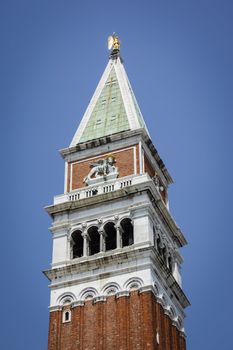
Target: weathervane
{"points": [[114, 45]]}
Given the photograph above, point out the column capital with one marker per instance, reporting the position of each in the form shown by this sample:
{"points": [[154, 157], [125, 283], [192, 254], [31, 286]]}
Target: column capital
{"points": [[102, 231], [103, 235], [119, 232], [85, 235], [118, 227], [84, 226]]}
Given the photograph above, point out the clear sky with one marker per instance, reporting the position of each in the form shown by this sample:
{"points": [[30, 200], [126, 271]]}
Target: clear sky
{"points": [[178, 55]]}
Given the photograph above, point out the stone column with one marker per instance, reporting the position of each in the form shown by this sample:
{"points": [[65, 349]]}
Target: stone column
{"points": [[119, 236], [102, 240], [85, 243], [157, 234], [70, 247]]}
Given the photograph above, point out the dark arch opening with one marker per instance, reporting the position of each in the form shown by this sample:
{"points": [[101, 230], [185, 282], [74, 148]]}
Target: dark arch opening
{"points": [[94, 242], [127, 232], [159, 245], [162, 250], [67, 316], [110, 240], [164, 253], [169, 260], [77, 244]]}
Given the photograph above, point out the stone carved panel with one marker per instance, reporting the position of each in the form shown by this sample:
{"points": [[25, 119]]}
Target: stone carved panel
{"points": [[102, 169]]}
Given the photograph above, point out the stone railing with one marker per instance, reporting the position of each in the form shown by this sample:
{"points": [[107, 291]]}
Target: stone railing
{"points": [[101, 188]]}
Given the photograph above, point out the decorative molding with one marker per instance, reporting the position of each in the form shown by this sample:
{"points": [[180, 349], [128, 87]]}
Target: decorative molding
{"points": [[147, 288], [133, 283], [78, 303], [88, 293], [55, 308], [146, 259], [110, 288], [66, 297], [96, 297], [123, 293], [99, 298]]}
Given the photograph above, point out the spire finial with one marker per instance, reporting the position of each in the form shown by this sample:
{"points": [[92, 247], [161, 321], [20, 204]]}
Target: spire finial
{"points": [[114, 45]]}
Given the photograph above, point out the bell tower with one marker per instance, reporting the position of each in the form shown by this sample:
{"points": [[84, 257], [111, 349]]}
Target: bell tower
{"points": [[115, 278]]}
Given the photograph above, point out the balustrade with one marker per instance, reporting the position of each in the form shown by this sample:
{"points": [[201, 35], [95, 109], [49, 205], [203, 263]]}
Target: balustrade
{"points": [[101, 188]]}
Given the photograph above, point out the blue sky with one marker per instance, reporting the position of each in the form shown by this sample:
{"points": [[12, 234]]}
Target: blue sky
{"points": [[178, 55]]}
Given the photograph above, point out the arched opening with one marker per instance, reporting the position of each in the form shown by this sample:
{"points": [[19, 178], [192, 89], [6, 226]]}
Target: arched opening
{"points": [[159, 245], [169, 261], [110, 240], [164, 253], [127, 232], [77, 242], [161, 248], [66, 316], [154, 237], [94, 242]]}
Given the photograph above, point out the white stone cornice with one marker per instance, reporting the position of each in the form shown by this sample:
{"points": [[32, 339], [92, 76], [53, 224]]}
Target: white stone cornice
{"points": [[166, 312], [122, 293], [147, 288], [59, 229], [105, 265], [99, 298], [78, 303], [55, 308]]}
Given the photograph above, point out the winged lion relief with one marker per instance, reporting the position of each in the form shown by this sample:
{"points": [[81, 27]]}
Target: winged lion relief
{"points": [[101, 167]]}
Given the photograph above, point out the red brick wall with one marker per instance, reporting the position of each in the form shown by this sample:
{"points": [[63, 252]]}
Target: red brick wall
{"points": [[148, 167], [151, 172], [138, 159], [68, 177], [124, 163], [126, 323]]}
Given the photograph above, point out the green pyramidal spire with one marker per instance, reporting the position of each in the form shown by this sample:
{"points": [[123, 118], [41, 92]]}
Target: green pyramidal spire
{"points": [[113, 107], [109, 115]]}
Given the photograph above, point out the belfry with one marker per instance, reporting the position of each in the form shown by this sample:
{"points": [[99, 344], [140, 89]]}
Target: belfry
{"points": [[115, 275]]}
